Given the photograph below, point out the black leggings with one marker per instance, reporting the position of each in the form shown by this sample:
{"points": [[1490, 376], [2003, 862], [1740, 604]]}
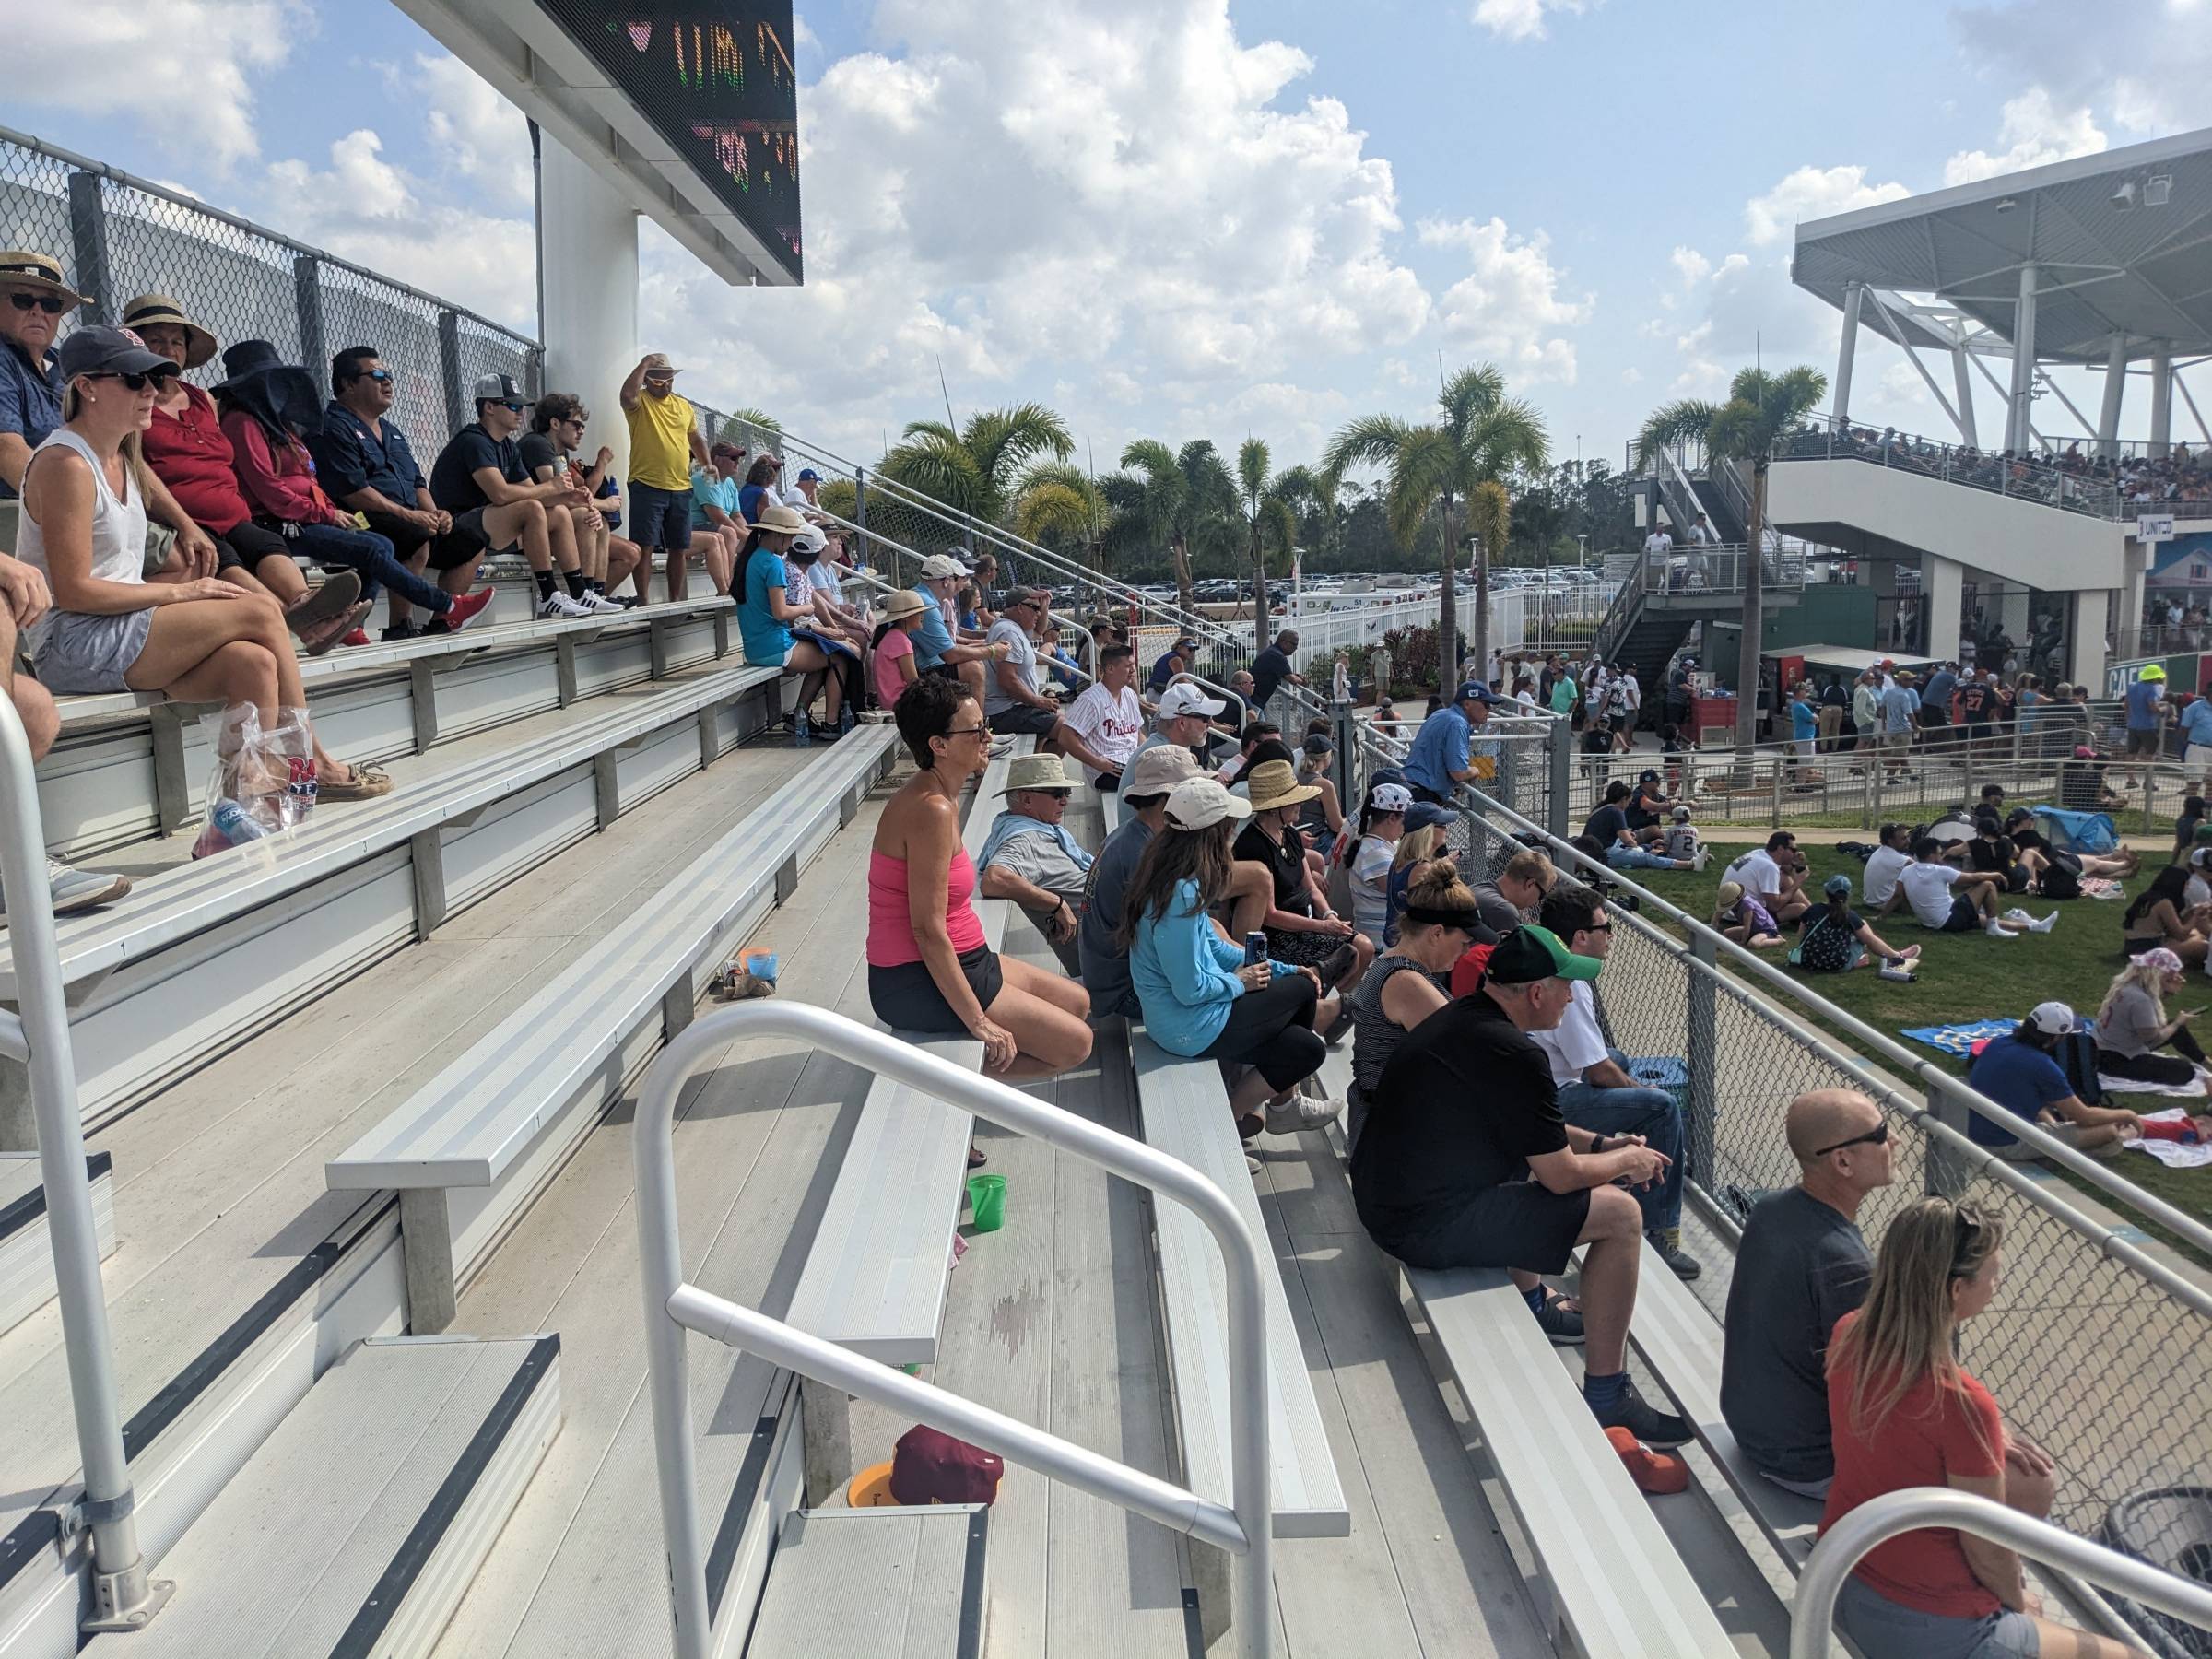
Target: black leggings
{"points": [[2170, 1069], [1273, 1030]]}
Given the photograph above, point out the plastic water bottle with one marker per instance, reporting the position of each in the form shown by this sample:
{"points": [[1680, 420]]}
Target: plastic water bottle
{"points": [[235, 823], [801, 731]]}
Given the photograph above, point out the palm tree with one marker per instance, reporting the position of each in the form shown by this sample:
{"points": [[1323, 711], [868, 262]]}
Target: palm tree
{"points": [[1483, 437], [1491, 522], [1057, 502], [753, 430], [1184, 497], [1759, 410], [1269, 521], [980, 468]]}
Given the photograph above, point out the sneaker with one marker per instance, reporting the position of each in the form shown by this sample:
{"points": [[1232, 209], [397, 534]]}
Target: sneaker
{"points": [[1679, 1261], [558, 606], [81, 890], [465, 609], [359, 636], [626, 601], [398, 631], [1251, 1164], [2016, 915], [1562, 1324], [1645, 1421], [2045, 925], [1300, 1113], [1702, 857], [1337, 965], [599, 605]]}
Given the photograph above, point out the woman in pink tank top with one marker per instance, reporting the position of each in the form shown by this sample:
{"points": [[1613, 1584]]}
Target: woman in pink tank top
{"points": [[930, 971]]}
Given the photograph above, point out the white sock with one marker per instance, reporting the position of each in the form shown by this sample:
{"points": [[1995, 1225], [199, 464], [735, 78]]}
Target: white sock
{"points": [[1996, 930]]}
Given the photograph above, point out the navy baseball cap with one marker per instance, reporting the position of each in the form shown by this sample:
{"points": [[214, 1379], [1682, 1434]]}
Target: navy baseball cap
{"points": [[1476, 691], [1426, 815], [808, 473], [110, 351]]}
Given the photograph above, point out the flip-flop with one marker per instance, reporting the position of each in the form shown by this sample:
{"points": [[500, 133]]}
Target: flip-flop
{"points": [[325, 603]]}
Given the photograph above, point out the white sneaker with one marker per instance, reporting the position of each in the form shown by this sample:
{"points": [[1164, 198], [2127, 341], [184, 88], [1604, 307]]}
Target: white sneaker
{"points": [[2046, 924], [1996, 930], [600, 605], [1702, 858], [558, 606], [1300, 1113], [2016, 915]]}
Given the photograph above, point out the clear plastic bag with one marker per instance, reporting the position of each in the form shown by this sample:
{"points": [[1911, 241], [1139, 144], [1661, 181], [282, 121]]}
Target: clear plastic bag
{"points": [[263, 781]]}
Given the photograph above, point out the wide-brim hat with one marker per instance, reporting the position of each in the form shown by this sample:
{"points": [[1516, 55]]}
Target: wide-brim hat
{"points": [[1201, 803], [656, 362], [1274, 784], [780, 519], [1157, 771], [30, 269], [1036, 772], [149, 308], [903, 604]]}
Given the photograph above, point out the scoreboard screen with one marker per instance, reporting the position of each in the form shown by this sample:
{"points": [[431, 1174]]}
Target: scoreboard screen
{"points": [[715, 78]]}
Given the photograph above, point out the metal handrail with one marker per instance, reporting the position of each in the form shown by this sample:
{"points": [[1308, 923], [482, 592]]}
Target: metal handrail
{"points": [[1813, 1610], [1242, 1528], [122, 1594]]}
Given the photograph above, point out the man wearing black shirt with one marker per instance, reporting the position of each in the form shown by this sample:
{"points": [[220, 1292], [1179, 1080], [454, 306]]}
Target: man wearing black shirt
{"points": [[1465, 1116], [480, 479], [1272, 667]]}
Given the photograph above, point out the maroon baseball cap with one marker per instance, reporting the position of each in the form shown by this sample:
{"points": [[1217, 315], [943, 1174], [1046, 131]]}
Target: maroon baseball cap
{"points": [[931, 1467]]}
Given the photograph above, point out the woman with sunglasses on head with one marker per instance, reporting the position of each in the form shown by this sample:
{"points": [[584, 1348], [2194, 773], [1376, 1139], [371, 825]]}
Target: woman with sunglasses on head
{"points": [[1903, 1412], [930, 971], [84, 526]]}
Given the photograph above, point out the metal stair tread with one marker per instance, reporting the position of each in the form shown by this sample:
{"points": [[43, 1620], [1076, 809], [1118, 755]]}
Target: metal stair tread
{"points": [[893, 1583]]}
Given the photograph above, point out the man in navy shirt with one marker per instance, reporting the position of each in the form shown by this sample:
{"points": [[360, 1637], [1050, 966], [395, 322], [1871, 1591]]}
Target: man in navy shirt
{"points": [[1272, 667], [2019, 1074]]}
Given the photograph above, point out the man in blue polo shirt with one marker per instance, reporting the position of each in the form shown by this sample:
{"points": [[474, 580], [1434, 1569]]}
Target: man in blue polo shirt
{"points": [[364, 463], [2021, 1074], [1445, 754]]}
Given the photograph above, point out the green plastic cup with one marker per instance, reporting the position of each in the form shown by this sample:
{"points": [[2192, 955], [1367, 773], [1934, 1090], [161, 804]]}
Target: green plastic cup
{"points": [[987, 1199]]}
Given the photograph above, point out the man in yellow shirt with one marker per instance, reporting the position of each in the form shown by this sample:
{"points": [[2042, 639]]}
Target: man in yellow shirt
{"points": [[664, 442]]}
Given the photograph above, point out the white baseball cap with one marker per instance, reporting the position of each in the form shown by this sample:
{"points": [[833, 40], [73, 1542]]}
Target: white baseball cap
{"points": [[1182, 698], [2051, 1019], [940, 565], [1200, 802], [1390, 797]]}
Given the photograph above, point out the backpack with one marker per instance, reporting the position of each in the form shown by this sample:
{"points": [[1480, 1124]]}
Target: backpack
{"points": [[2077, 1056], [1827, 946], [2062, 875]]}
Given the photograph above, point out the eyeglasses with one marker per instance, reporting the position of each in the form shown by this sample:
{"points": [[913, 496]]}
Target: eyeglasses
{"points": [[966, 731], [54, 305], [1876, 1136]]}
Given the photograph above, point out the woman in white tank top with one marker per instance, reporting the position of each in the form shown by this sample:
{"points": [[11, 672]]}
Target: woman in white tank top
{"points": [[84, 525]]}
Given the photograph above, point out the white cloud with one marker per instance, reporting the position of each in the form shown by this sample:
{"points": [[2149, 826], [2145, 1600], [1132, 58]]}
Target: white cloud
{"points": [[482, 136], [1520, 20], [2034, 132], [1508, 305], [2147, 65], [78, 55], [1812, 193]]}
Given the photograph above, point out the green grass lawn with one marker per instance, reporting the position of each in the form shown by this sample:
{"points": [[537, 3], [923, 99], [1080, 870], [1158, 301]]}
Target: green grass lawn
{"points": [[1970, 976]]}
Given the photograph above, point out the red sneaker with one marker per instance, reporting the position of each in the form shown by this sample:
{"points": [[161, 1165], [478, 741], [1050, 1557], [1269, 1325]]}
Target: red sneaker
{"points": [[358, 637], [1653, 1472], [466, 608]]}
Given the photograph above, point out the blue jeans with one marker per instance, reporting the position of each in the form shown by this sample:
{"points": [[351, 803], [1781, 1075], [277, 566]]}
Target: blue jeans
{"points": [[371, 556], [1636, 858], [1651, 1112]]}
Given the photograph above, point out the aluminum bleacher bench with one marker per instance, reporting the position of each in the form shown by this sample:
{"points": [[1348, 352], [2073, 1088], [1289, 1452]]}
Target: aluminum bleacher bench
{"points": [[877, 1271], [466, 1152], [131, 765], [1615, 1585], [293, 917]]}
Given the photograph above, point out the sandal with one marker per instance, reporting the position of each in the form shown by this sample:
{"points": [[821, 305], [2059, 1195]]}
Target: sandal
{"points": [[368, 783], [317, 608]]}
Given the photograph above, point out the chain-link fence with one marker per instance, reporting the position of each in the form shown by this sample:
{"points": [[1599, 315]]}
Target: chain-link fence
{"points": [[116, 237], [2096, 1349]]}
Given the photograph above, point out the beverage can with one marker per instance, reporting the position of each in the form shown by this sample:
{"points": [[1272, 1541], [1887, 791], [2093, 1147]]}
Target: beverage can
{"points": [[1255, 949]]}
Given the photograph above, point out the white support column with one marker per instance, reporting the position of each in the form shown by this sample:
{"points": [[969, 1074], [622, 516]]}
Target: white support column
{"points": [[1854, 295], [2161, 401], [587, 261], [2115, 389], [2085, 650], [1962, 379], [2020, 416], [1941, 583]]}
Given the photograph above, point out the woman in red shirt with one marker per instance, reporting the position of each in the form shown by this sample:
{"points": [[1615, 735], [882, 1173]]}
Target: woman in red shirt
{"points": [[1903, 1412]]}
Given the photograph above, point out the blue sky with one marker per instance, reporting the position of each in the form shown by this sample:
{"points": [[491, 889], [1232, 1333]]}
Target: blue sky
{"points": [[1180, 219]]}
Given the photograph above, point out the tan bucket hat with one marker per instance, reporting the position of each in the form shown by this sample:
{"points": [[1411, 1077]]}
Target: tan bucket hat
{"points": [[1036, 772], [1275, 783], [903, 604], [149, 308], [25, 267], [781, 520]]}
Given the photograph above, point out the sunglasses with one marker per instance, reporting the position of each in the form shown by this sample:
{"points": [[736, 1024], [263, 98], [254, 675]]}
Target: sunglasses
{"points": [[135, 382], [513, 409], [1876, 1136], [1965, 1241], [54, 305], [966, 731], [383, 377]]}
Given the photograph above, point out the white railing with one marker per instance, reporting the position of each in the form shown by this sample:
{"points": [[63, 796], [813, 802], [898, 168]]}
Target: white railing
{"points": [[673, 1307], [1812, 1614]]}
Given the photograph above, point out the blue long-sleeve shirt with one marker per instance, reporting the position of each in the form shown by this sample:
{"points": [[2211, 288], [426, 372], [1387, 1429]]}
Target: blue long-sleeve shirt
{"points": [[1185, 975]]}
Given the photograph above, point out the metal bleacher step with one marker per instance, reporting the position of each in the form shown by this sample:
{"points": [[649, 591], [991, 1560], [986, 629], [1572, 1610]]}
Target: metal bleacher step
{"points": [[26, 1258], [893, 1583], [360, 1522]]}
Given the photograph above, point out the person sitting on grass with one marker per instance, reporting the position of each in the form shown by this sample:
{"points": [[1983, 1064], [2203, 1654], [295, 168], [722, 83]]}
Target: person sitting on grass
{"points": [[1835, 938], [1952, 901], [1514, 1185], [1802, 1265], [1902, 1413], [1739, 915], [1891, 857], [1608, 827], [2021, 1073], [2034, 851], [2162, 915], [2131, 1026], [1770, 874], [1991, 853]]}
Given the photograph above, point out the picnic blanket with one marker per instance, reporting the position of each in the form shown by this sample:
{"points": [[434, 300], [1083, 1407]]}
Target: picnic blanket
{"points": [[2101, 886], [2194, 1090], [1958, 1041], [2174, 1155]]}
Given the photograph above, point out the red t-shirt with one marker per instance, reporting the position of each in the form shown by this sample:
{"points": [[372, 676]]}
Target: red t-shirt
{"points": [[1927, 1438], [1466, 973], [190, 454]]}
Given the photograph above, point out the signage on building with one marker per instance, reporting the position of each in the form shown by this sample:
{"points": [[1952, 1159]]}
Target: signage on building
{"points": [[2154, 527]]}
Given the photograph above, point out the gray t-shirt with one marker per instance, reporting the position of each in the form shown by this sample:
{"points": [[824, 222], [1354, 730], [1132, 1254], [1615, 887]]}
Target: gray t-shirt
{"points": [[1497, 911], [2131, 1025], [1105, 964], [1801, 1267], [1021, 656]]}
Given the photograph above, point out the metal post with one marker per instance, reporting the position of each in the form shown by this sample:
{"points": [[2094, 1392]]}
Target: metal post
{"points": [[88, 237], [2161, 401], [1702, 1055], [2115, 389], [859, 517], [1855, 293], [123, 1599], [457, 408], [1562, 770], [2020, 401], [1351, 793], [307, 300]]}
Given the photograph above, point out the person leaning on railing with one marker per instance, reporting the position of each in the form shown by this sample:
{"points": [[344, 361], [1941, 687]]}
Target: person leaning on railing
{"points": [[1903, 1413]]}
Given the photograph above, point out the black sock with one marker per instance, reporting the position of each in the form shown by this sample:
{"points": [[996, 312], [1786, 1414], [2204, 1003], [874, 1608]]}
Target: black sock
{"points": [[544, 583], [575, 586], [596, 586]]}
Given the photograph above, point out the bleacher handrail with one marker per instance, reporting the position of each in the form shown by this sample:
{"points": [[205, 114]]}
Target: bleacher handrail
{"points": [[124, 1596], [1242, 1528], [1812, 1613]]}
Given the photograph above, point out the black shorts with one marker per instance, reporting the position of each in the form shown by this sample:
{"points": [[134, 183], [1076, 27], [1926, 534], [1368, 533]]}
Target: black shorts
{"points": [[466, 543], [950, 671], [660, 518], [906, 998], [247, 545], [2016, 879], [1024, 717], [1422, 792], [1521, 1224], [2143, 743], [1965, 917]]}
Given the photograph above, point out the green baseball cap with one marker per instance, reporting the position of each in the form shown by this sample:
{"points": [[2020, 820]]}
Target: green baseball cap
{"points": [[1531, 953]]}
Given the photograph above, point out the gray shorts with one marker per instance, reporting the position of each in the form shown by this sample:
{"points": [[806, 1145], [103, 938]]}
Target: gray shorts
{"points": [[1880, 1627], [79, 654]]}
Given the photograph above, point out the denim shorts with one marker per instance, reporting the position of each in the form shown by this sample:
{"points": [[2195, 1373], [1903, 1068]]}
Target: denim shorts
{"points": [[80, 655], [1880, 1627], [659, 518]]}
